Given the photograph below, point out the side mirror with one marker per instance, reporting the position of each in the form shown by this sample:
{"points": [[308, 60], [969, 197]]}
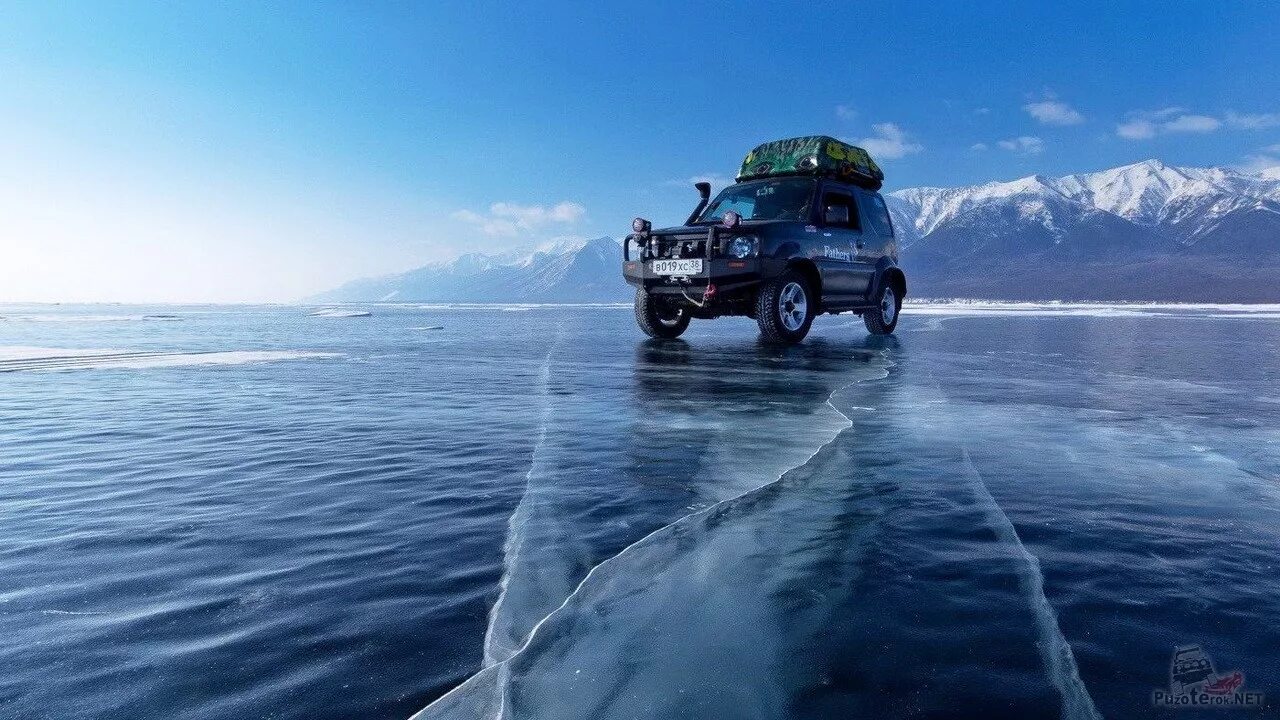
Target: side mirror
{"points": [[836, 215]]}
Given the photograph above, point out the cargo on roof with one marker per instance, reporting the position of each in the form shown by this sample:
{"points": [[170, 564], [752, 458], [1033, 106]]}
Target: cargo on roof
{"points": [[812, 155]]}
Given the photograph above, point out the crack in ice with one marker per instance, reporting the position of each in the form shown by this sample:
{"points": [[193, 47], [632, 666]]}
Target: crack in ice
{"points": [[496, 651], [502, 668], [1055, 651]]}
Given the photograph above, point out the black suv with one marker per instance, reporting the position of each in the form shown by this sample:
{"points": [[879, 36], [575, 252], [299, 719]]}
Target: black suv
{"points": [[804, 231]]}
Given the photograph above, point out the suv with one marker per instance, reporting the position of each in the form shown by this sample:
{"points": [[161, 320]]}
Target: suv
{"points": [[803, 232]]}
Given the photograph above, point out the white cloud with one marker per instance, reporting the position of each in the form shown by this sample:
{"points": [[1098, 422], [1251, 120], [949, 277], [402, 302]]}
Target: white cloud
{"points": [[536, 215], [1254, 164], [487, 225], [978, 147], [1267, 158], [890, 142], [1146, 124], [1192, 123], [1253, 121], [510, 219], [1024, 145], [846, 112], [982, 111], [1136, 129], [716, 179], [1050, 111]]}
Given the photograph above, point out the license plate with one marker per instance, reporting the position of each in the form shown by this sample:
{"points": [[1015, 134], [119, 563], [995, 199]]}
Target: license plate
{"points": [[676, 267]]}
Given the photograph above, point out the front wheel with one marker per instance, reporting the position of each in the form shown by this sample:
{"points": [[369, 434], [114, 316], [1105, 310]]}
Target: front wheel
{"points": [[785, 308], [883, 318], [660, 318]]}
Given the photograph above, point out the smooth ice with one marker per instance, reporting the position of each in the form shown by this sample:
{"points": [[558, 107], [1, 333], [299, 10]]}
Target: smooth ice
{"points": [[1011, 513], [931, 552]]}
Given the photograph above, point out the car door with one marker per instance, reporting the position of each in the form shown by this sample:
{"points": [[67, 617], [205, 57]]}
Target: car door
{"points": [[878, 241], [844, 278]]}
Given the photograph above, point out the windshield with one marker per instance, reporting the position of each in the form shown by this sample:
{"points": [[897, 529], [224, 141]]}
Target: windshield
{"points": [[784, 199]]}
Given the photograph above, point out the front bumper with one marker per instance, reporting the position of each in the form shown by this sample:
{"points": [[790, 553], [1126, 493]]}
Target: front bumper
{"points": [[727, 274]]}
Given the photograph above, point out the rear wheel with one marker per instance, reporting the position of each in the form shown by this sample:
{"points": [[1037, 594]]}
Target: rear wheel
{"points": [[785, 308], [883, 318], [659, 317]]}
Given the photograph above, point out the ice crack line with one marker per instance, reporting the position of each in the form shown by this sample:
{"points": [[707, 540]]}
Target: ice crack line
{"points": [[495, 650], [503, 667], [1055, 651]]}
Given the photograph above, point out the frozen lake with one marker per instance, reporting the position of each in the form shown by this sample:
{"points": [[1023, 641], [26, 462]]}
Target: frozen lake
{"points": [[1002, 511]]}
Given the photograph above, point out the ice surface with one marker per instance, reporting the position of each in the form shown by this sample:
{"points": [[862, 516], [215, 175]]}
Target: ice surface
{"points": [[1059, 661], [543, 576], [961, 308], [929, 554], [545, 556], [508, 306], [15, 358], [52, 317], [340, 313], [1018, 508], [723, 612]]}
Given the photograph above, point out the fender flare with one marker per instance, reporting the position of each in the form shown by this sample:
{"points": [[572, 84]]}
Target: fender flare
{"points": [[888, 271]]}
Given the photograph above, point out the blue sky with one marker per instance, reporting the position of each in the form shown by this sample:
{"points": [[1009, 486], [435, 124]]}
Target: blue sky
{"points": [[243, 151]]}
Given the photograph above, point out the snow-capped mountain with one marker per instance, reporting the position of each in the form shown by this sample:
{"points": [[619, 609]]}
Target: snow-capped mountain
{"points": [[573, 271], [1146, 193], [1146, 231], [1142, 231]]}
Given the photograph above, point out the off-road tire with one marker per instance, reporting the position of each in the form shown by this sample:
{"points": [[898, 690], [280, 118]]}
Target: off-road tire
{"points": [[770, 307], [653, 316], [881, 320]]}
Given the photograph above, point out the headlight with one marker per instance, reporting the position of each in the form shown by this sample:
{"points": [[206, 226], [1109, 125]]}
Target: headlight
{"points": [[743, 246], [640, 225]]}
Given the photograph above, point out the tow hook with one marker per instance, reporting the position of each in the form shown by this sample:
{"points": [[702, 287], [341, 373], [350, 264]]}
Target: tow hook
{"points": [[707, 294]]}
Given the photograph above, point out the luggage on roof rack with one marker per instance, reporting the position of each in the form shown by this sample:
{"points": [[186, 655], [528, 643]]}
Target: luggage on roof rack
{"points": [[812, 155]]}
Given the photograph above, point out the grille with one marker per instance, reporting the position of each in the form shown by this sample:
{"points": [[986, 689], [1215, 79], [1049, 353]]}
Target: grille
{"points": [[680, 246]]}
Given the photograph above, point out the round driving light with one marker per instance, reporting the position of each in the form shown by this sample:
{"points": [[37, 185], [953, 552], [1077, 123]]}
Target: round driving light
{"points": [[640, 225], [741, 247], [732, 219]]}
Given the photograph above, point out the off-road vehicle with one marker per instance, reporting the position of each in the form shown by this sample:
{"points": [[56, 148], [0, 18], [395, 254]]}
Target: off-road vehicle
{"points": [[804, 231]]}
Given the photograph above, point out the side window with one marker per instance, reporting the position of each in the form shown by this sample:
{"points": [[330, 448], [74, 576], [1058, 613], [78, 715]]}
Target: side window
{"points": [[840, 210], [878, 215]]}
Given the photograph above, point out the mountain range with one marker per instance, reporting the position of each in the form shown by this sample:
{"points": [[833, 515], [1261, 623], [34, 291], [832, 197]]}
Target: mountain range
{"points": [[1146, 231], [575, 271]]}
